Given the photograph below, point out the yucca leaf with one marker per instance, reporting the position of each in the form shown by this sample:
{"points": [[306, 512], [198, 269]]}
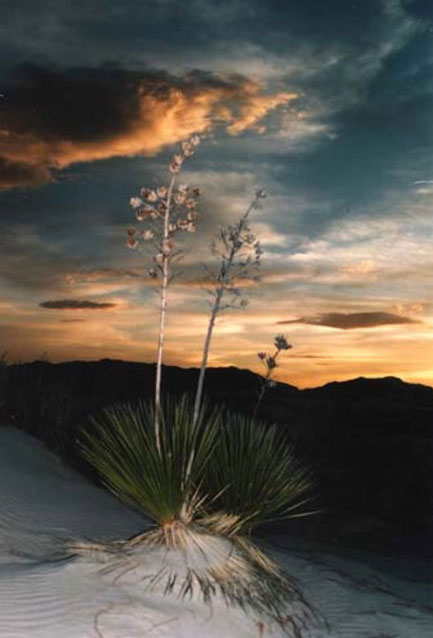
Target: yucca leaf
{"points": [[257, 474], [121, 446]]}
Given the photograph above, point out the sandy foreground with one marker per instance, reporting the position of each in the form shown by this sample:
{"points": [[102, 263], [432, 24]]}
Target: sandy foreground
{"points": [[45, 594]]}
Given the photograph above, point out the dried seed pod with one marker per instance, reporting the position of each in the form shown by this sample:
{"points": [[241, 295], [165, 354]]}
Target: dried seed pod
{"points": [[136, 202], [174, 167], [162, 192], [190, 203], [149, 194], [145, 213], [179, 198]]}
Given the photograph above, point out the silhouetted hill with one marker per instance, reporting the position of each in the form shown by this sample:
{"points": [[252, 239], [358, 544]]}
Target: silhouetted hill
{"points": [[370, 441]]}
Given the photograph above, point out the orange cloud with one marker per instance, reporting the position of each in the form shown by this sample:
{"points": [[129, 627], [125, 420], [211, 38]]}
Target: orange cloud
{"points": [[54, 119]]}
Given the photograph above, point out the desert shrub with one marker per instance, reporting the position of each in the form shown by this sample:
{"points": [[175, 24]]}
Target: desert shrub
{"points": [[162, 483]]}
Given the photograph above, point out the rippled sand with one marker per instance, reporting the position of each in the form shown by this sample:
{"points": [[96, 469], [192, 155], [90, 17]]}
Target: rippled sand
{"points": [[45, 594]]}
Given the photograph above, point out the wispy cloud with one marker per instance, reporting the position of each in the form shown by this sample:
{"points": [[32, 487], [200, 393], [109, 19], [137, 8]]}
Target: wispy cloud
{"points": [[349, 321]]}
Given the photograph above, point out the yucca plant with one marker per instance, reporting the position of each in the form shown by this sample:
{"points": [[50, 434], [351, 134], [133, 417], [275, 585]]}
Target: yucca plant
{"points": [[158, 481], [205, 478], [242, 474]]}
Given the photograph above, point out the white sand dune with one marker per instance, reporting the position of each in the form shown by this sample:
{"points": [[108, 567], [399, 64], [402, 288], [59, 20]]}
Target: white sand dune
{"points": [[45, 595]]}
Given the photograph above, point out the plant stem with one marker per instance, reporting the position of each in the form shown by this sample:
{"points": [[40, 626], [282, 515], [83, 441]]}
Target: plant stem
{"points": [[215, 310], [163, 312]]}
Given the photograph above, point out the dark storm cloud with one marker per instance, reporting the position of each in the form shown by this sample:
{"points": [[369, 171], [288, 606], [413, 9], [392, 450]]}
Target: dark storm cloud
{"points": [[352, 320], [75, 304], [52, 119]]}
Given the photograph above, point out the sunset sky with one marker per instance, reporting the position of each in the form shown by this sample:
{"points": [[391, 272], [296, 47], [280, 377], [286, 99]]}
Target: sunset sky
{"points": [[326, 105]]}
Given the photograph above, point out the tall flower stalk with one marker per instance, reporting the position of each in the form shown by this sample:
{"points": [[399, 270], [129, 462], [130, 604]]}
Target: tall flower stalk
{"points": [[165, 211], [235, 246], [270, 362]]}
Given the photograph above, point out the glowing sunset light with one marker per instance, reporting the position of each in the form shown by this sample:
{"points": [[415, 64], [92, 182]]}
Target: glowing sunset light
{"points": [[308, 110]]}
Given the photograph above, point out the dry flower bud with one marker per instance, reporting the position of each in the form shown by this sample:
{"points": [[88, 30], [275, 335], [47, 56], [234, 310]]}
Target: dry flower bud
{"points": [[179, 198], [190, 227], [131, 230], [196, 191], [144, 213], [149, 194], [191, 216], [183, 188], [174, 167], [187, 149], [281, 343], [178, 159], [172, 228], [135, 202], [152, 273], [194, 140], [159, 258], [162, 207], [148, 234], [261, 193], [162, 192], [261, 355], [190, 203], [132, 243]]}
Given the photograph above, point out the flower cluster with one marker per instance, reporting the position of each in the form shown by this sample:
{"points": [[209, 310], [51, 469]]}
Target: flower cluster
{"points": [[188, 147], [281, 343], [239, 252], [270, 362], [165, 210]]}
